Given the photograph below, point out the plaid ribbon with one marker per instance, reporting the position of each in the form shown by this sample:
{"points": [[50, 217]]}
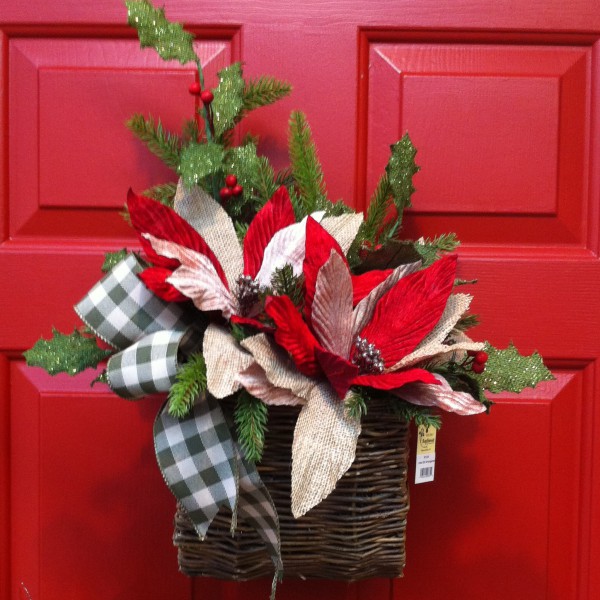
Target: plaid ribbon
{"points": [[122, 310], [205, 469], [202, 464]]}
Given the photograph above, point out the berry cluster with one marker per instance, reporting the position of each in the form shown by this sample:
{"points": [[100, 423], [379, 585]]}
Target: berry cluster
{"points": [[232, 188], [205, 95], [367, 357], [478, 360]]}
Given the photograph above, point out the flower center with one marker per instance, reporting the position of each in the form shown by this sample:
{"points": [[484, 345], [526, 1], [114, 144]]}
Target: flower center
{"points": [[247, 293], [367, 357]]}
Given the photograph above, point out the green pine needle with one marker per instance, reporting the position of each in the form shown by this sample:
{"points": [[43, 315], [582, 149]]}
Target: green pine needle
{"points": [[306, 168], [509, 371], [113, 258], [285, 283], [467, 322], [241, 229], [199, 161], [156, 31], [356, 404], [419, 414], [163, 144], [431, 249], [264, 91], [251, 417], [163, 193], [190, 383], [71, 354]]}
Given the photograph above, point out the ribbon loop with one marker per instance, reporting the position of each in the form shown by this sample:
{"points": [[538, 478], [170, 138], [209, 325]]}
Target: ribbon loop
{"points": [[121, 309], [147, 367]]}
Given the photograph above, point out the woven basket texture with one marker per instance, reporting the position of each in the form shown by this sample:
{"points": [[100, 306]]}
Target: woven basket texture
{"points": [[356, 533]]}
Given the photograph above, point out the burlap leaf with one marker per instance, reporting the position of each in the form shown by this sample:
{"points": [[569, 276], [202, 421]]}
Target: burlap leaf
{"points": [[224, 361], [323, 449], [255, 382], [211, 221]]}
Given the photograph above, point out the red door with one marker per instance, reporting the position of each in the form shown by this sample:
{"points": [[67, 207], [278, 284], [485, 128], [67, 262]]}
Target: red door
{"points": [[502, 100]]}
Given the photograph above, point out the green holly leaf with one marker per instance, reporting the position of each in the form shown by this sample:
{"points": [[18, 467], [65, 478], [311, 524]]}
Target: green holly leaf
{"points": [[156, 31], [229, 98], [66, 353], [200, 160], [400, 170], [509, 371], [113, 258]]}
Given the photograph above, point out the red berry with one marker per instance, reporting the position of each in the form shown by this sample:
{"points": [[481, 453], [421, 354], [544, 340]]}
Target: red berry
{"points": [[481, 357], [231, 181], [478, 367], [195, 89], [207, 97], [225, 193], [237, 190]]}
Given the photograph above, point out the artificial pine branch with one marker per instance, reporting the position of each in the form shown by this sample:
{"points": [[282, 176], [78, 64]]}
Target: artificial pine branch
{"points": [[285, 283], [190, 131], [306, 168], [430, 249], [190, 382], [264, 91], [356, 404], [419, 414], [113, 258], [165, 145], [163, 193], [251, 417], [467, 322]]}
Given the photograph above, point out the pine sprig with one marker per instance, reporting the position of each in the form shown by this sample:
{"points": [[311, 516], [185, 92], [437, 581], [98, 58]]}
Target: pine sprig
{"points": [[419, 414], [467, 322], [163, 193], [285, 283], [356, 404], [251, 417], [165, 145], [431, 249], [64, 353], [306, 168], [190, 382], [156, 31], [264, 91]]}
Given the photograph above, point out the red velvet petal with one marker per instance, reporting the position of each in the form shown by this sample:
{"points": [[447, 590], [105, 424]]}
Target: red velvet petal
{"points": [[154, 279], [410, 310], [391, 381], [363, 284], [319, 245], [251, 323], [276, 214], [150, 216], [338, 371], [293, 334]]}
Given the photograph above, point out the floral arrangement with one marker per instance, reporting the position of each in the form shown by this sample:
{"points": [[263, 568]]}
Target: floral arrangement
{"points": [[253, 285]]}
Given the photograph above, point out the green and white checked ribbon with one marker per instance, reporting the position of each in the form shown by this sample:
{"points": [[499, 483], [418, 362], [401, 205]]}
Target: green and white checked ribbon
{"points": [[201, 462]]}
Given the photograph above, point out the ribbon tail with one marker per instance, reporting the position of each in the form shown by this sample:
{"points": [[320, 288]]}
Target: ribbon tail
{"points": [[197, 460]]}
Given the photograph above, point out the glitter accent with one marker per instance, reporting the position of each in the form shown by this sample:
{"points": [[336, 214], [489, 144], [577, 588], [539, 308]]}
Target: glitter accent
{"points": [[367, 357], [248, 290]]}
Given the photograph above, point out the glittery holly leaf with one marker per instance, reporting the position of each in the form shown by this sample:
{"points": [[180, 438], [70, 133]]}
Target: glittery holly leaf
{"points": [[509, 371], [200, 160], [66, 353], [243, 161], [113, 258], [228, 100], [400, 169], [156, 31]]}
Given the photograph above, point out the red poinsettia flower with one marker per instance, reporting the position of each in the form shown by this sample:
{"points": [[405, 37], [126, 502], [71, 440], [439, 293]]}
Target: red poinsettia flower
{"points": [[361, 345]]}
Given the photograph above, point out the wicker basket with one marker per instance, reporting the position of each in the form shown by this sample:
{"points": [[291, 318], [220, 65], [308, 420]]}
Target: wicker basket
{"points": [[356, 533]]}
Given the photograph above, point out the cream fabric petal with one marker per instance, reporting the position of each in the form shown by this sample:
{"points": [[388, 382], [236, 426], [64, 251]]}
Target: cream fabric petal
{"points": [[278, 366], [211, 221], [343, 228], [442, 396], [285, 247], [363, 311], [432, 344], [331, 314], [224, 360], [254, 380], [323, 449], [196, 278]]}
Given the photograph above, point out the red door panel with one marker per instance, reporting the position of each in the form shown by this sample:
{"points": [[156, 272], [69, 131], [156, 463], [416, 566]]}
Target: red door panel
{"points": [[501, 99]]}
